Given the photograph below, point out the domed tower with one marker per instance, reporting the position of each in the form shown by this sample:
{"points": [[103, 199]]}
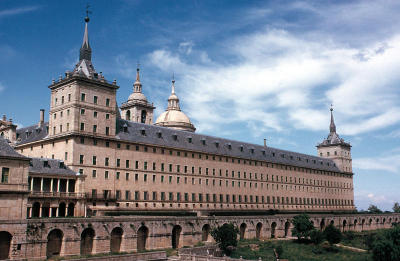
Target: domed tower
{"points": [[336, 148], [173, 117], [137, 108]]}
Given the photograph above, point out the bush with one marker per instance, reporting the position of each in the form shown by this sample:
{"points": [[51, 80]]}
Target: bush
{"points": [[279, 251], [316, 236], [332, 234], [349, 235], [387, 246], [302, 226], [226, 237]]}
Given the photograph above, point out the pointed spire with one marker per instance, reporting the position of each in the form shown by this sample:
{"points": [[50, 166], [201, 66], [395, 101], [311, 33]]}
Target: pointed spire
{"points": [[173, 100], [332, 127], [137, 86], [85, 53], [173, 84]]}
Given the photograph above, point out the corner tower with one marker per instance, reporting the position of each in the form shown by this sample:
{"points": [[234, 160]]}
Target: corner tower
{"points": [[137, 108], [83, 102], [173, 117], [335, 148]]}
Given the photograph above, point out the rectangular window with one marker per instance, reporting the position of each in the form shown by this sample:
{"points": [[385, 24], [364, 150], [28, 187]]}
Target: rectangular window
{"points": [[117, 175], [118, 162], [82, 126], [145, 165], [106, 174], [154, 195], [127, 176], [170, 167], [162, 166], [145, 195], [118, 194], [127, 195], [136, 195], [94, 160], [80, 159], [107, 102], [163, 196], [95, 114], [94, 173], [4, 175], [94, 128], [136, 164], [127, 164], [106, 162], [186, 197], [95, 99], [145, 177], [107, 131], [107, 116], [83, 97]]}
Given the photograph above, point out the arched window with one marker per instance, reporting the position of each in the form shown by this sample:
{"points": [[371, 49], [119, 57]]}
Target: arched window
{"points": [[5, 243], [143, 116], [128, 115]]}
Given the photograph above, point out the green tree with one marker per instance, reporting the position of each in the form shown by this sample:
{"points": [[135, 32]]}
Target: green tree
{"points": [[302, 226], [316, 236], [396, 207], [226, 237], [332, 234], [374, 209]]}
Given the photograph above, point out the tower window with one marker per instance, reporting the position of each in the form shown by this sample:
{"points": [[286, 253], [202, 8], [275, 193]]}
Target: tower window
{"points": [[143, 116], [95, 114], [82, 126], [95, 99], [83, 97], [107, 116], [4, 175], [107, 102]]}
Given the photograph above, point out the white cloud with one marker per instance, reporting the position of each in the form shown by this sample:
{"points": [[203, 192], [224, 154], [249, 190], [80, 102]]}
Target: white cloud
{"points": [[1, 87], [186, 47], [389, 163], [17, 11], [283, 81]]}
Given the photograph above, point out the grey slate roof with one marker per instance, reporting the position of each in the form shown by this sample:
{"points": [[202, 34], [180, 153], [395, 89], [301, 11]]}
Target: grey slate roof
{"points": [[49, 166], [150, 134], [7, 151], [32, 133]]}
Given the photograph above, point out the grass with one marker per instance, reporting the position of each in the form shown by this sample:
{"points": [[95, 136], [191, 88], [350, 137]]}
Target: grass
{"points": [[296, 251], [359, 239]]}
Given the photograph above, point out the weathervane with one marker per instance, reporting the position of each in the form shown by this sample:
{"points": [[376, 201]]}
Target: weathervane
{"points": [[331, 107], [87, 13]]}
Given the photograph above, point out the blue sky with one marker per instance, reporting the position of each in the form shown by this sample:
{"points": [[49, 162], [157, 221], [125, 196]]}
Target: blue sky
{"points": [[244, 70]]}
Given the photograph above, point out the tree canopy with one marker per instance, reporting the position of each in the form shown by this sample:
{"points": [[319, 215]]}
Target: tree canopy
{"points": [[302, 226], [226, 237]]}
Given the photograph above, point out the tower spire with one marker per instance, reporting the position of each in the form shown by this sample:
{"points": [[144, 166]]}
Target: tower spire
{"points": [[332, 126], [85, 53], [173, 84], [137, 86]]}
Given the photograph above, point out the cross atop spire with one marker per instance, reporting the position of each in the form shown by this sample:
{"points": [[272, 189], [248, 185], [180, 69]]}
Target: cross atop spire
{"points": [[332, 126], [85, 53], [173, 84], [137, 86]]}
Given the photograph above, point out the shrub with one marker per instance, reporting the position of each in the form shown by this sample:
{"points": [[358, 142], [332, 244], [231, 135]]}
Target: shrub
{"points": [[279, 251], [226, 237], [332, 234], [302, 226], [316, 236], [386, 247], [349, 235]]}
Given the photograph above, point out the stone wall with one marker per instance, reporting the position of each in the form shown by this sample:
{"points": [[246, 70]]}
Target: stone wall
{"points": [[33, 238]]}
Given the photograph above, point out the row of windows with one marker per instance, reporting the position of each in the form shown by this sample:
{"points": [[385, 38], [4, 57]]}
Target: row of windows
{"points": [[221, 198], [213, 157], [83, 99], [82, 111], [233, 174]]}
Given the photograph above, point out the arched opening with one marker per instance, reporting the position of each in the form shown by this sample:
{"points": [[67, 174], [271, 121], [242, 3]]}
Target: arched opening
{"points": [[71, 209], [46, 209], [287, 225], [362, 224], [355, 224], [370, 222], [5, 243], [36, 209], [273, 227], [61, 209], [322, 224], [116, 239], [142, 235], [87, 238], [242, 230], [258, 230], [54, 242], [344, 225], [128, 115], [205, 231], [332, 222], [176, 233], [143, 116]]}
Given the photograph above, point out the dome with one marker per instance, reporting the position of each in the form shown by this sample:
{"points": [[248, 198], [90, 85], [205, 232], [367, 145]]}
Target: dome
{"points": [[175, 119], [137, 96]]}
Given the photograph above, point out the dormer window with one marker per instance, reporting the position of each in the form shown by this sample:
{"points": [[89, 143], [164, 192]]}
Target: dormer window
{"points": [[125, 127], [190, 139], [159, 134], [175, 137], [273, 154], [61, 165], [203, 141], [143, 132], [241, 148], [46, 164], [314, 161], [252, 150], [263, 152], [283, 155], [31, 163], [291, 157], [229, 146], [217, 144]]}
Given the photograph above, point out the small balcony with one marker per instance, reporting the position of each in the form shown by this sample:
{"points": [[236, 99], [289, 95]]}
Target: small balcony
{"points": [[61, 195]]}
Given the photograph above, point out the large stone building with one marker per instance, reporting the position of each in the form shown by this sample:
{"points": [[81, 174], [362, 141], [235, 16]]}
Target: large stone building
{"points": [[95, 159]]}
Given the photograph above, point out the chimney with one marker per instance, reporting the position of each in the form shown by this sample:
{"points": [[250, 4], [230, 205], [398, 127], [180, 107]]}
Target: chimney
{"points": [[265, 142], [41, 121]]}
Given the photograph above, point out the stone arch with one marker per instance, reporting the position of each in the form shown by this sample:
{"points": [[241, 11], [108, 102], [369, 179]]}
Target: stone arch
{"points": [[312, 223], [5, 243], [370, 222], [362, 224], [287, 226], [128, 115], [54, 243], [355, 224], [87, 238], [259, 230], [344, 224], [273, 228], [61, 209], [116, 239], [176, 234], [142, 235], [36, 209], [205, 231], [242, 230], [71, 209], [322, 224], [332, 222]]}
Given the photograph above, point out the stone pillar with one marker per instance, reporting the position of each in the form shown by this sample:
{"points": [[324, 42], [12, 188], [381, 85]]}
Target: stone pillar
{"points": [[41, 184], [58, 185], [32, 183], [51, 185], [30, 212], [57, 211], [41, 211], [67, 189]]}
